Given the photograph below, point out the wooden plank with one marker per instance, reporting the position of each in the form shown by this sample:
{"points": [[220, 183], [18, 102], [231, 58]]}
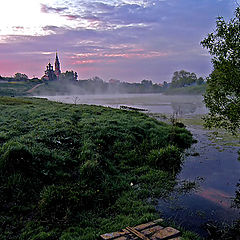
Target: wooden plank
{"points": [[166, 233], [150, 231], [114, 235], [145, 225], [136, 233]]}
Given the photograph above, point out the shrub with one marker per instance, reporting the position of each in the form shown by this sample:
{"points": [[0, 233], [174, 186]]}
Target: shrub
{"points": [[180, 137], [168, 158]]}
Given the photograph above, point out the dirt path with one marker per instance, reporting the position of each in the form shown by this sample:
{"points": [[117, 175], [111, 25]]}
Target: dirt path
{"points": [[32, 89]]}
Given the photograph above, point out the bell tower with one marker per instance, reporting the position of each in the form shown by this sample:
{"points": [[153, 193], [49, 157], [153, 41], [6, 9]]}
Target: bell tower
{"points": [[57, 67]]}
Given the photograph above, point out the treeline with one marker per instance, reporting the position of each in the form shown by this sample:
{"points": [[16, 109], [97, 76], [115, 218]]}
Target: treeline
{"points": [[68, 83], [20, 77], [96, 84]]}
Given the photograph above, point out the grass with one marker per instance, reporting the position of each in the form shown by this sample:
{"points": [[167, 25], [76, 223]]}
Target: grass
{"points": [[16, 88], [217, 136], [192, 90], [76, 171]]}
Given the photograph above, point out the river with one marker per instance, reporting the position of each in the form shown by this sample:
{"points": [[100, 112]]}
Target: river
{"points": [[215, 167]]}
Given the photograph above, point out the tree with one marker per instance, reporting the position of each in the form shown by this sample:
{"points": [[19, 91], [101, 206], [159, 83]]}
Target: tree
{"points": [[222, 96], [183, 78], [200, 81], [147, 83], [75, 76], [20, 76], [68, 76]]}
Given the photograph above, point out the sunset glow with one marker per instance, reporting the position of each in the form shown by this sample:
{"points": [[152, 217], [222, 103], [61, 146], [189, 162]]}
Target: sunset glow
{"points": [[140, 36]]}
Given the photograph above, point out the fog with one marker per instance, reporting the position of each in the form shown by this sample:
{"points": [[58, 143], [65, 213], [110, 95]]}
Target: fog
{"points": [[154, 103]]}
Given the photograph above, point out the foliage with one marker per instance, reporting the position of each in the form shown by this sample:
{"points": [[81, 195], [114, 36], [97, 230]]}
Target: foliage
{"points": [[69, 76], [223, 91], [237, 197], [146, 82], [20, 76], [183, 78], [75, 171], [158, 157], [14, 87], [67, 85], [190, 90]]}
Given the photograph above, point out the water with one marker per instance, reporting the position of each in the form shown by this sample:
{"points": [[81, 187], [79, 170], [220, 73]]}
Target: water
{"points": [[216, 169], [155, 103]]}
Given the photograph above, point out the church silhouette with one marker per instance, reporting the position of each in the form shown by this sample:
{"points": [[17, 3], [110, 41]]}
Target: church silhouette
{"points": [[50, 73]]}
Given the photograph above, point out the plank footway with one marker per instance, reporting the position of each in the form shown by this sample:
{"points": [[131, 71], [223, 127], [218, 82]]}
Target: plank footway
{"points": [[148, 231]]}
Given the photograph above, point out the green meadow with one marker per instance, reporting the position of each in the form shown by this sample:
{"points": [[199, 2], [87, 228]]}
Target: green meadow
{"points": [[76, 171]]}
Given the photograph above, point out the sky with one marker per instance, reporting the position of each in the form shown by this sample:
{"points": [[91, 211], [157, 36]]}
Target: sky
{"points": [[128, 40]]}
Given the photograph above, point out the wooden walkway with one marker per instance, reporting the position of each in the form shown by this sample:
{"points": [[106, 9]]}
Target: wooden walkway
{"points": [[148, 231]]}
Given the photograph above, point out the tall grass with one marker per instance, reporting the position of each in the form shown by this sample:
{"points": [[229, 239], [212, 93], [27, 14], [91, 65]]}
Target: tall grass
{"points": [[75, 171]]}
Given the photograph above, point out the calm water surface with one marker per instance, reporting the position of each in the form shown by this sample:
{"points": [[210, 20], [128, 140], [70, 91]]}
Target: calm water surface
{"points": [[216, 169], [155, 103]]}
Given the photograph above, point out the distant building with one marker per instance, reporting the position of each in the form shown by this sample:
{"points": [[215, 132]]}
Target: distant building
{"points": [[57, 67], [51, 74]]}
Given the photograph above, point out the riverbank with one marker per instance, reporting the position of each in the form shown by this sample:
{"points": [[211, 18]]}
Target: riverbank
{"points": [[188, 110], [212, 164], [190, 90], [76, 171]]}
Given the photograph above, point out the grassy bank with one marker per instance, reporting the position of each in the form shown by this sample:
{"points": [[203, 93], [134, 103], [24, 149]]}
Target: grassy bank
{"points": [[192, 90], [75, 171], [16, 88]]}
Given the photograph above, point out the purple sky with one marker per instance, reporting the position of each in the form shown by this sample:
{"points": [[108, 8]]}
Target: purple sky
{"points": [[129, 40]]}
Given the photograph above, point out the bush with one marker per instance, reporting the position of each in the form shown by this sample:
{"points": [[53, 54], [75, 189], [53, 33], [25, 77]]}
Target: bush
{"points": [[168, 159], [180, 137]]}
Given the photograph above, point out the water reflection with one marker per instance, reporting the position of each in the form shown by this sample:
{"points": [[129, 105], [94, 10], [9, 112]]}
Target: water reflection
{"points": [[185, 108], [216, 196], [212, 202]]}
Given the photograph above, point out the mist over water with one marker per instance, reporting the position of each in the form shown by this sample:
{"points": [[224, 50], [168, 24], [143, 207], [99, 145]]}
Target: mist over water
{"points": [[154, 103]]}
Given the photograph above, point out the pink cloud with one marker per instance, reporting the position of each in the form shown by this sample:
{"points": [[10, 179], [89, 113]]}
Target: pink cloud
{"points": [[86, 57], [71, 17], [47, 9], [90, 61]]}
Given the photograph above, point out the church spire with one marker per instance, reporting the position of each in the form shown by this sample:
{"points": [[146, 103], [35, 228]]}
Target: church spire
{"points": [[57, 67]]}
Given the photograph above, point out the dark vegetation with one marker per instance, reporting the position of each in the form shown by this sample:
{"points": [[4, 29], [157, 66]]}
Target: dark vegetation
{"points": [[75, 171], [96, 85], [222, 96], [189, 90], [184, 79], [183, 82], [16, 87]]}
